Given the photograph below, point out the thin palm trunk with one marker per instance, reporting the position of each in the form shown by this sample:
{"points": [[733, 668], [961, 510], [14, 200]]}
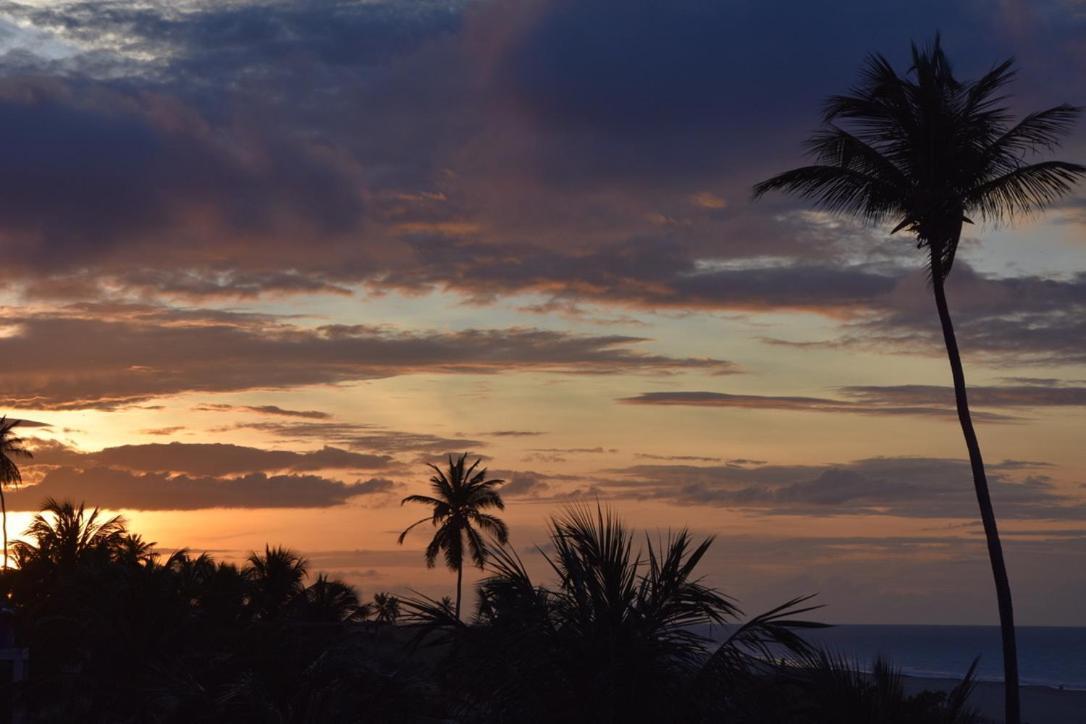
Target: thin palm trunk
{"points": [[459, 580], [987, 514], [4, 518]]}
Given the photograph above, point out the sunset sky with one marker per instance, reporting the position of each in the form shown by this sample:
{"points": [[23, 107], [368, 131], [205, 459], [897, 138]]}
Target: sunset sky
{"points": [[262, 261]]}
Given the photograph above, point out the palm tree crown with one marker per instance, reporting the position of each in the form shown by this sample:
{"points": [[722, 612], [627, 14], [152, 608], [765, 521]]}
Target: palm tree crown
{"points": [[275, 578], [459, 495], [65, 535], [927, 151], [11, 446], [386, 607]]}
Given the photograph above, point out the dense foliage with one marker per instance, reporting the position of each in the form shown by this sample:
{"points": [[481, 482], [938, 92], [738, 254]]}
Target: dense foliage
{"points": [[120, 633]]}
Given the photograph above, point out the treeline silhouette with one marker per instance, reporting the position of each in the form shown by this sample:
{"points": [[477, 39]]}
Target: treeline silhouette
{"points": [[118, 632]]}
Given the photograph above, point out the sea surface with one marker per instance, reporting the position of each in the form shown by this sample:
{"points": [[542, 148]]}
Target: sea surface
{"points": [[1047, 655]]}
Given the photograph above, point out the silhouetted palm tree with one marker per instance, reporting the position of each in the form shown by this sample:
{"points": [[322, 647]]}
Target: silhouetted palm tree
{"points": [[329, 600], [926, 150], [386, 608], [459, 496], [11, 446], [132, 548], [65, 536], [275, 578]]}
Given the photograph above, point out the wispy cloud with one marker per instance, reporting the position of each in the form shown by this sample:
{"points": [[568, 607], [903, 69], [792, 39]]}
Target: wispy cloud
{"points": [[922, 400], [899, 486], [802, 404], [88, 357], [270, 410]]}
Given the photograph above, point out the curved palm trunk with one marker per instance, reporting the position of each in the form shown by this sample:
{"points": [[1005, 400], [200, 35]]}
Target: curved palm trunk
{"points": [[459, 580], [987, 514]]}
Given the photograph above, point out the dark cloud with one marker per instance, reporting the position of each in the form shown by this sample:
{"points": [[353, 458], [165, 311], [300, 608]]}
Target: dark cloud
{"points": [[585, 150], [869, 405], [665, 90], [375, 485], [191, 476], [1050, 394], [206, 459], [163, 431], [576, 450], [103, 358], [270, 410], [95, 170], [1011, 320], [364, 437], [903, 486], [512, 433], [924, 400], [648, 272], [683, 458], [115, 489], [526, 484]]}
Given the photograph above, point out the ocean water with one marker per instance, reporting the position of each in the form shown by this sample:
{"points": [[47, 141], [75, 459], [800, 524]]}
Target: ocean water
{"points": [[1047, 655]]}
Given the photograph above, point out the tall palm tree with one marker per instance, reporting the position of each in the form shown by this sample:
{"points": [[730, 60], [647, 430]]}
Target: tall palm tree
{"points": [[11, 446], [927, 151], [460, 495]]}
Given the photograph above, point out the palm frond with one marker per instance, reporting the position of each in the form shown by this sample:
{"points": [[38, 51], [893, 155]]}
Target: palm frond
{"points": [[837, 147], [420, 521], [837, 190], [1025, 190], [476, 547], [1040, 130], [493, 525], [767, 637]]}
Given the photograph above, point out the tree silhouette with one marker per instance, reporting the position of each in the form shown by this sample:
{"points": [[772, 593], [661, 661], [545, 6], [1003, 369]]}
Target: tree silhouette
{"points": [[459, 496], [328, 600], [620, 637], [926, 150], [386, 607], [275, 579], [194, 639], [65, 536], [11, 446]]}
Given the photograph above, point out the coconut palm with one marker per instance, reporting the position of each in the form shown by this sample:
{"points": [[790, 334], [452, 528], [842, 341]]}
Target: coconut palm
{"points": [[65, 535], [11, 446], [328, 600], [275, 579], [926, 151], [386, 607], [460, 495]]}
